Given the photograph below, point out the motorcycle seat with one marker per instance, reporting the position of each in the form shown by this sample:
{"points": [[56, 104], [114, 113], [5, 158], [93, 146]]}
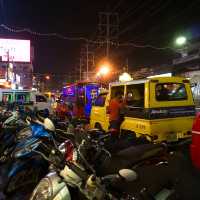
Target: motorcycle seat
{"points": [[129, 157], [95, 131], [96, 134]]}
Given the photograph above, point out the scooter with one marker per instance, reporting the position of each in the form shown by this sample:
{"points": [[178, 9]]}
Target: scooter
{"points": [[73, 181], [11, 132], [79, 177], [25, 166]]}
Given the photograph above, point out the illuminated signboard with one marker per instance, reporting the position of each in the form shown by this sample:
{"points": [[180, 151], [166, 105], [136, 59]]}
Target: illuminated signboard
{"points": [[18, 50]]}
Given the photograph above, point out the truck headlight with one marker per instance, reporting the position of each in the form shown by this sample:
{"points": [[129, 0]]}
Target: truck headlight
{"points": [[43, 191]]}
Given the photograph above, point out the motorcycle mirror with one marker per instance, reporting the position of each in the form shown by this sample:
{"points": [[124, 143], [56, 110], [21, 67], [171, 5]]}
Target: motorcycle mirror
{"points": [[128, 174], [28, 120], [62, 148]]}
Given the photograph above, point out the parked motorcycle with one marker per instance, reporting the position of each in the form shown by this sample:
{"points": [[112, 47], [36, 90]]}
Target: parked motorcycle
{"points": [[11, 132], [16, 128], [25, 166], [65, 182], [83, 178]]}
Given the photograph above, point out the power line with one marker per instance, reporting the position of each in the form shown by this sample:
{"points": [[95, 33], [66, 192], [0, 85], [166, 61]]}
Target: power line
{"points": [[145, 46], [108, 25], [136, 23], [139, 5], [163, 6], [83, 38], [86, 60], [58, 35], [117, 5], [170, 20]]}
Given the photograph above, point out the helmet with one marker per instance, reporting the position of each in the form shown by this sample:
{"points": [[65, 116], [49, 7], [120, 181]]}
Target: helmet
{"points": [[48, 124]]}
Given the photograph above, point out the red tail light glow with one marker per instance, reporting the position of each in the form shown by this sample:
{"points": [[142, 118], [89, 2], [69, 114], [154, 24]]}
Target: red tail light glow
{"points": [[69, 150]]}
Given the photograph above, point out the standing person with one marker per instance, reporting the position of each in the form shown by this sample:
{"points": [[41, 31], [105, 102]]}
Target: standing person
{"points": [[61, 110], [115, 106], [80, 107]]}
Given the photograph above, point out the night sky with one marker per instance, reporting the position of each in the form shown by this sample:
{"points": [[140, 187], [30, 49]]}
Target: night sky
{"points": [[155, 22]]}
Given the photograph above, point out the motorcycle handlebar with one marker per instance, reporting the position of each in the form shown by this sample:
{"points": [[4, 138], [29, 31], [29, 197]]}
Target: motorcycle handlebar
{"points": [[83, 158], [82, 174], [60, 164]]}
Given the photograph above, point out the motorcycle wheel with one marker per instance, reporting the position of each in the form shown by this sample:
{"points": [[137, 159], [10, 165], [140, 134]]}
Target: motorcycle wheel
{"points": [[23, 180]]}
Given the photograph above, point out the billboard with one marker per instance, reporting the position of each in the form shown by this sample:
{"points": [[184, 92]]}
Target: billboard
{"points": [[18, 50]]}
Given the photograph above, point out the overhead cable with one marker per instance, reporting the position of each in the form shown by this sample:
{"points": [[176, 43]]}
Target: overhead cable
{"points": [[81, 38]]}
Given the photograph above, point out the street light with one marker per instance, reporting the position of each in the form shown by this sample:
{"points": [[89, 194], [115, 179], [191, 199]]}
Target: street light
{"points": [[47, 77], [104, 70], [180, 41], [182, 47]]}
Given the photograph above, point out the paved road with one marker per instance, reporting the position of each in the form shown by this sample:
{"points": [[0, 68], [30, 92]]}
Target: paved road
{"points": [[189, 186]]}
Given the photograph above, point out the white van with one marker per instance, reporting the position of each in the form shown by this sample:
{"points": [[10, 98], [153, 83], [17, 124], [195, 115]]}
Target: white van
{"points": [[36, 99], [40, 101]]}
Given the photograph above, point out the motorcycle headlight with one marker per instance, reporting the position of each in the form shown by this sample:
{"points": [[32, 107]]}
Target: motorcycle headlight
{"points": [[43, 191]]}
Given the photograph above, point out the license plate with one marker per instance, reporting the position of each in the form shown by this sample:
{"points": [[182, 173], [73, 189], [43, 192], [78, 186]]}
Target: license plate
{"points": [[172, 137]]}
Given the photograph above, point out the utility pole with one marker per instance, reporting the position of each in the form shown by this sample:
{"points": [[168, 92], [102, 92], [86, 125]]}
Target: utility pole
{"points": [[80, 70], [127, 64], [108, 28], [86, 61], [8, 63], [107, 34]]}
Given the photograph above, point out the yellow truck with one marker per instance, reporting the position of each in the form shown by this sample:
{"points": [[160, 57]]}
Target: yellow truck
{"points": [[160, 108]]}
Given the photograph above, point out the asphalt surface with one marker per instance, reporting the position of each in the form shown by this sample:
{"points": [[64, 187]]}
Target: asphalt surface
{"points": [[179, 169], [189, 184]]}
